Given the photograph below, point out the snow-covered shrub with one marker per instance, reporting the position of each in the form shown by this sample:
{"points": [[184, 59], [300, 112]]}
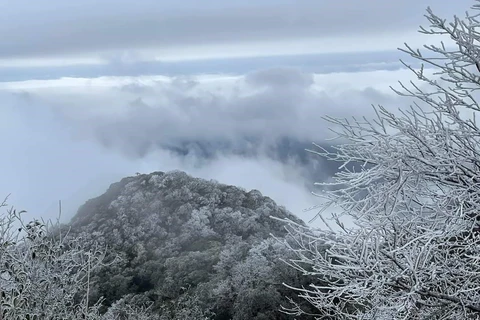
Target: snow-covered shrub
{"points": [[45, 273]]}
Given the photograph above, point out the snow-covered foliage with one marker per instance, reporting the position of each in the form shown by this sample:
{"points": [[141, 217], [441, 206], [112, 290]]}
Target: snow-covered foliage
{"points": [[197, 249], [45, 274], [414, 252]]}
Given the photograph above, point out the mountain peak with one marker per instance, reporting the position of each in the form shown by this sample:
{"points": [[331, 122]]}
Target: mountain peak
{"points": [[175, 193], [189, 244]]}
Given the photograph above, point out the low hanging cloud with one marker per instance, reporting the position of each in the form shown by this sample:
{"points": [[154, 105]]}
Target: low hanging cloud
{"points": [[219, 114], [71, 138]]}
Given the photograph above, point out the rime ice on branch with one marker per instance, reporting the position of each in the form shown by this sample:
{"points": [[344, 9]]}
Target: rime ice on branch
{"points": [[414, 199]]}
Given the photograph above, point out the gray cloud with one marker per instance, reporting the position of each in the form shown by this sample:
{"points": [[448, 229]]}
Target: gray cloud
{"points": [[118, 66], [54, 27], [263, 108], [46, 161], [273, 113], [68, 140]]}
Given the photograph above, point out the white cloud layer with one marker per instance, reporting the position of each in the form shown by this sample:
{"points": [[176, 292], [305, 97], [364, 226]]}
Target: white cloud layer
{"points": [[69, 139]]}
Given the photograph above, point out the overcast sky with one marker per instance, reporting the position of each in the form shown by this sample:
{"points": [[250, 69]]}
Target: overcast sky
{"points": [[92, 91]]}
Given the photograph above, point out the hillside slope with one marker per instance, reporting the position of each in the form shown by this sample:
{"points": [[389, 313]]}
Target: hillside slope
{"points": [[197, 249]]}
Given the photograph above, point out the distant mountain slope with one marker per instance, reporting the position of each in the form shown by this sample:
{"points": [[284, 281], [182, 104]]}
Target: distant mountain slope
{"points": [[198, 249]]}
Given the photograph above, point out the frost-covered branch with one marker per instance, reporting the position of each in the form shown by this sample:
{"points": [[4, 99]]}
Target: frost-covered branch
{"points": [[45, 274], [414, 198]]}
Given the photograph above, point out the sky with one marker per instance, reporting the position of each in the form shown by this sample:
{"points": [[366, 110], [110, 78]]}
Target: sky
{"points": [[234, 91]]}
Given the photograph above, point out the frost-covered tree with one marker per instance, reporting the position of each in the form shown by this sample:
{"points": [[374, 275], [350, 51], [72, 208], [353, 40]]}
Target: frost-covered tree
{"points": [[411, 248], [46, 274]]}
